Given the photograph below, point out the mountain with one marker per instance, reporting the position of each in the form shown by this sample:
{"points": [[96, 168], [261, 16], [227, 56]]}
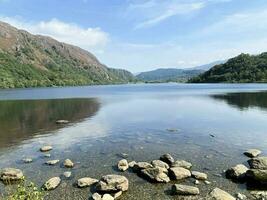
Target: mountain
{"points": [[244, 68], [28, 60], [208, 66]]}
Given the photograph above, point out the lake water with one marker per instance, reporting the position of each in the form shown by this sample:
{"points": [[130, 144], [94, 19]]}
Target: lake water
{"points": [[133, 119]]}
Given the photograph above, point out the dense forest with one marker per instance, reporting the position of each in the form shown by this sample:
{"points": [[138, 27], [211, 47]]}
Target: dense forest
{"points": [[244, 68]]}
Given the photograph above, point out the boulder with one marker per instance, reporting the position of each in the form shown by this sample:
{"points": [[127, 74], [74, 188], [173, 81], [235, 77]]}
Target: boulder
{"points": [[252, 153], [107, 197], [167, 158], [159, 163], [68, 163], [182, 163], [131, 164], [258, 163], [238, 172], [52, 162], [141, 165], [179, 173], [199, 175], [123, 165], [86, 182], [184, 190], [258, 175], [11, 174], [218, 194], [46, 148], [155, 174], [112, 183], [52, 183]]}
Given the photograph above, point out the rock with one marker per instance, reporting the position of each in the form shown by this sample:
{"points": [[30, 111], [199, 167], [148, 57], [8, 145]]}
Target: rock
{"points": [[258, 175], [131, 164], [179, 173], [259, 195], [167, 158], [27, 160], [238, 172], [107, 197], [86, 182], [184, 190], [155, 174], [141, 165], [117, 194], [46, 148], [252, 153], [52, 162], [112, 183], [182, 163], [196, 182], [11, 174], [240, 196], [199, 175], [52, 183], [218, 194], [61, 121], [48, 155], [96, 196], [123, 165], [67, 174], [159, 163], [68, 163], [258, 163], [207, 182]]}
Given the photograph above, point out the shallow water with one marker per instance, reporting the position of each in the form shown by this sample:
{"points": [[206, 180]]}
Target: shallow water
{"points": [[134, 119]]}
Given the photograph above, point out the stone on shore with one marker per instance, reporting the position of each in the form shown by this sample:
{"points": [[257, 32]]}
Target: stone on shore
{"points": [[167, 158], [131, 164], [27, 160], [61, 121], [199, 175], [112, 183], [11, 174], [46, 148], [67, 174], [52, 162], [238, 172], [86, 182], [179, 173], [68, 163], [259, 175], [141, 165], [107, 197], [252, 153], [123, 165], [52, 183], [184, 190], [155, 174], [258, 163], [218, 194], [182, 163], [96, 196], [159, 163]]}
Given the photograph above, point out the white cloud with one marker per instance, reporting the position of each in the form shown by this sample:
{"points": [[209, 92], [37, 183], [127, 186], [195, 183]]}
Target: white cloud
{"points": [[88, 38]]}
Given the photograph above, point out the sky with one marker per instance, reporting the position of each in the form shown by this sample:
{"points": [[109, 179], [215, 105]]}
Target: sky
{"points": [[141, 35]]}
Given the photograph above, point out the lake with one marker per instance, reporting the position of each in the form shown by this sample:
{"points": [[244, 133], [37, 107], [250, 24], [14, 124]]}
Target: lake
{"points": [[143, 121]]}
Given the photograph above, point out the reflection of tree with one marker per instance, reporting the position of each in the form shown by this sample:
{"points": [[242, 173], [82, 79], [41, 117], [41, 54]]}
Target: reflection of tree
{"points": [[244, 100], [21, 119]]}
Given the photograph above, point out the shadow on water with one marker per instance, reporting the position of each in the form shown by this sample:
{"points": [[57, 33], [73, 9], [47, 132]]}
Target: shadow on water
{"points": [[244, 101], [23, 119]]}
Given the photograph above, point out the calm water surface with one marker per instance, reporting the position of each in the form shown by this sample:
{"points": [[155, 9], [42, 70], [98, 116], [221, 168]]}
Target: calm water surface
{"points": [[109, 120]]}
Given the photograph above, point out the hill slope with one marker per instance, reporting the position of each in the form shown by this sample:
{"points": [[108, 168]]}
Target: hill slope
{"points": [[28, 60], [244, 68]]}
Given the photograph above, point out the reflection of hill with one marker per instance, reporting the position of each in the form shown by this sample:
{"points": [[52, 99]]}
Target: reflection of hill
{"points": [[244, 100], [21, 119]]}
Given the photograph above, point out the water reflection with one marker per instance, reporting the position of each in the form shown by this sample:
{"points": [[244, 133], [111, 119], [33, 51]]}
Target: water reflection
{"points": [[22, 119], [244, 101]]}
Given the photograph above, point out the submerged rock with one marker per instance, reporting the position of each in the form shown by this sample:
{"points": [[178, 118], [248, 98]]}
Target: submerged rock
{"points": [[52, 162], [11, 174], [123, 165], [184, 190], [86, 182], [252, 153], [27, 160], [238, 172], [167, 158], [46, 148], [258, 163], [199, 175], [112, 183], [141, 165], [52, 183], [182, 163], [155, 174], [68, 163], [218, 194], [67, 174], [179, 173]]}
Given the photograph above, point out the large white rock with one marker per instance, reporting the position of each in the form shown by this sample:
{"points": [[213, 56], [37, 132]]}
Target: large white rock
{"points": [[252, 153], [52, 183], [218, 194], [86, 182], [123, 165], [46, 148], [11, 174], [184, 190], [179, 173]]}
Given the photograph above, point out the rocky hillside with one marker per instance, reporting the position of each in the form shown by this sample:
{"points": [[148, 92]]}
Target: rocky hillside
{"points": [[244, 68], [28, 60]]}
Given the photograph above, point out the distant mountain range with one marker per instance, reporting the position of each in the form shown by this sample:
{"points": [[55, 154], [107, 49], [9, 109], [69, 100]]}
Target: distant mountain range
{"points": [[174, 74], [28, 60], [244, 68]]}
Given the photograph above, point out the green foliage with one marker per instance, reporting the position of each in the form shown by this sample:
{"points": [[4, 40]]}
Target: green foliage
{"points": [[244, 68]]}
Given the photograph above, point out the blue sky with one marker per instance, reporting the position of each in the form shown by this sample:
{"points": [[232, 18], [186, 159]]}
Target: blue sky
{"points": [[141, 35]]}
